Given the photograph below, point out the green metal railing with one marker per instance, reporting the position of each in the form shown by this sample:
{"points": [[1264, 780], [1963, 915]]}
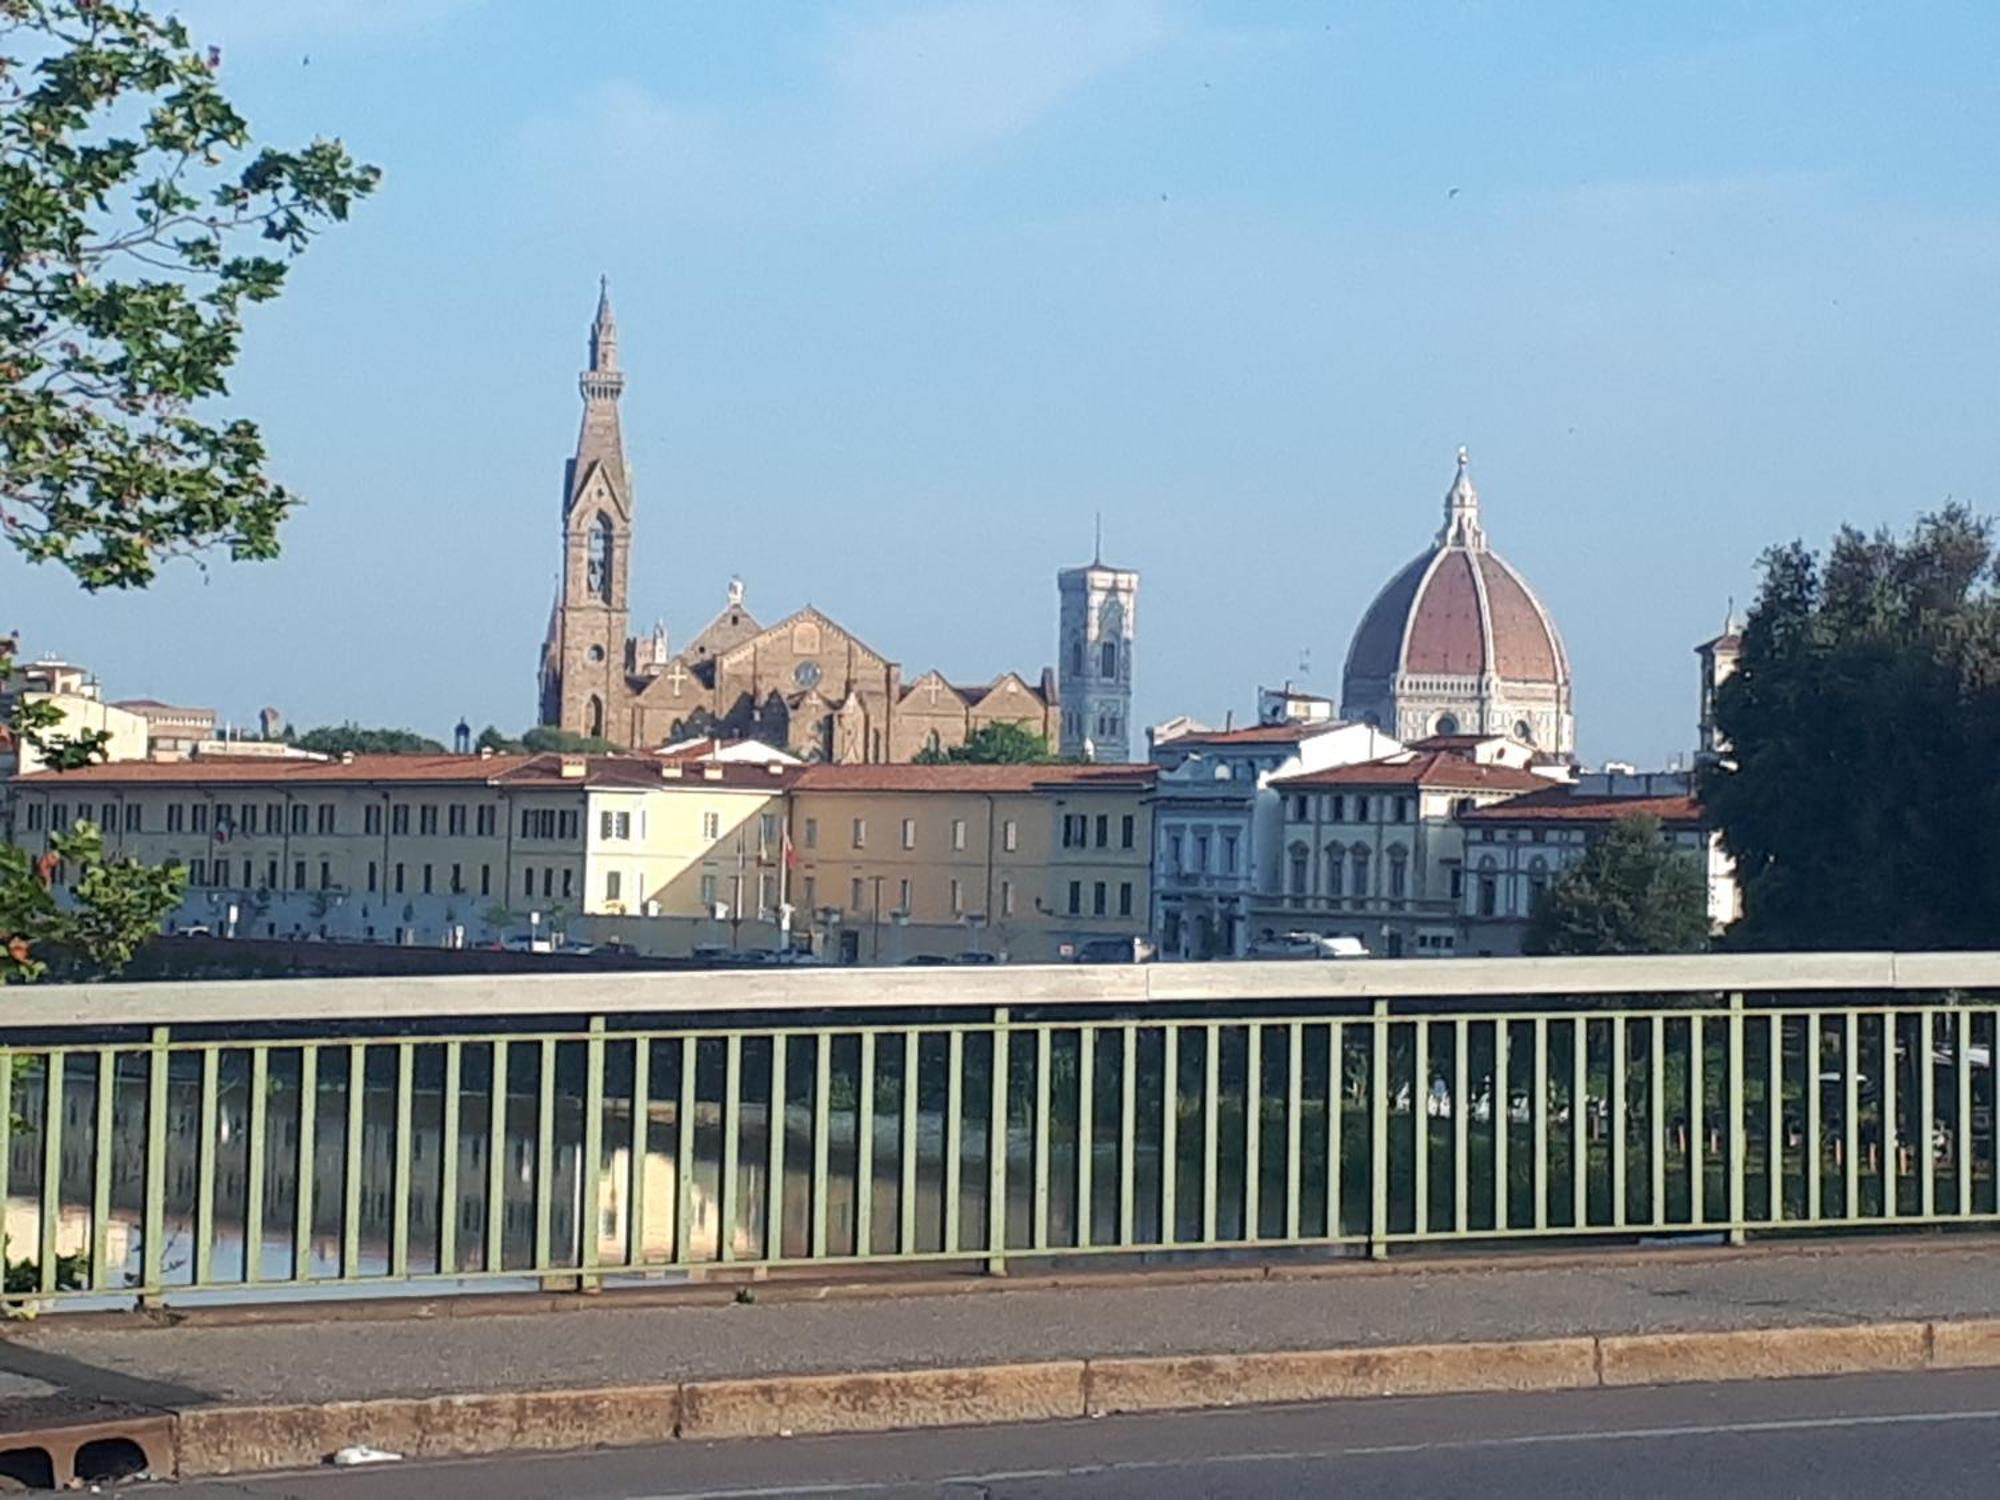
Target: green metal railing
{"points": [[170, 1162]]}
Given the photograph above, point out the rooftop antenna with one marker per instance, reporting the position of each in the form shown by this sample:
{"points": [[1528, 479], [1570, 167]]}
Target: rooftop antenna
{"points": [[1097, 546], [1305, 662]]}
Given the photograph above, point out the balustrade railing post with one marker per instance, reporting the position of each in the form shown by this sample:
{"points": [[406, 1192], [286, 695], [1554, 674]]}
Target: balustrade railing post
{"points": [[1739, 1145], [1378, 1136], [996, 1152], [152, 1247]]}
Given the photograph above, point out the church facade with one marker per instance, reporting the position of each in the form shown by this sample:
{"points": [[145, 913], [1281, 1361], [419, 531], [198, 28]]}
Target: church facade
{"points": [[805, 683]]}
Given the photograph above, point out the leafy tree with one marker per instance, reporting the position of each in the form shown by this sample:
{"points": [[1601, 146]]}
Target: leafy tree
{"points": [[492, 739], [342, 739], [544, 738], [1630, 893], [128, 187], [115, 904], [1009, 744], [1861, 722], [136, 222]]}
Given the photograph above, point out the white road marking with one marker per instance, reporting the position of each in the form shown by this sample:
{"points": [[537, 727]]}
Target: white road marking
{"points": [[1522, 1440]]}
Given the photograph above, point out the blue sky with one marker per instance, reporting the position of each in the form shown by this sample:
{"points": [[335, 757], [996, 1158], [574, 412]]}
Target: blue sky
{"points": [[907, 292]]}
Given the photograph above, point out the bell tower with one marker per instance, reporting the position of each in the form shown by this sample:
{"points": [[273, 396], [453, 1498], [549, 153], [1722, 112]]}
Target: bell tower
{"points": [[585, 666], [1095, 634]]}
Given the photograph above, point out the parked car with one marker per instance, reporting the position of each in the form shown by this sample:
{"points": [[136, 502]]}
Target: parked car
{"points": [[974, 958], [1308, 945], [1118, 950], [925, 961]]}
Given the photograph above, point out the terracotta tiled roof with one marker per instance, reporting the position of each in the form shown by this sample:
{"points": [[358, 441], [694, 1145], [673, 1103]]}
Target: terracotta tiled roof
{"points": [[970, 778], [1561, 805], [1432, 768], [474, 770]]}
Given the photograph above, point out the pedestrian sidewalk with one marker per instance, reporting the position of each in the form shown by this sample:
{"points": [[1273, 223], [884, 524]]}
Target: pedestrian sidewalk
{"points": [[629, 1347]]}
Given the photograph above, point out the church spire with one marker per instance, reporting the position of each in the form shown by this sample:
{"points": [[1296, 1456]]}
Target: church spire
{"points": [[602, 381], [599, 444], [1461, 511]]}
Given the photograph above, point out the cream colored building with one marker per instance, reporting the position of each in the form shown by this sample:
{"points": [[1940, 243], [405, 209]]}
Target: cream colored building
{"points": [[1025, 863], [440, 850], [74, 694], [1376, 851]]}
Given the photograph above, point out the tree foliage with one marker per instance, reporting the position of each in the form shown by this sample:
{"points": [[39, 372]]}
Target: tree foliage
{"points": [[1630, 893], [1010, 744], [1861, 726], [136, 222], [350, 738], [545, 738]]}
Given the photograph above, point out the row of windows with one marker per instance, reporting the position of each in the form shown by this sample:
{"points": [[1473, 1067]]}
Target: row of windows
{"points": [[549, 822], [1078, 828], [1340, 807], [1010, 833], [214, 874], [1100, 898], [277, 819], [1204, 848], [863, 892], [58, 817], [1347, 872]]}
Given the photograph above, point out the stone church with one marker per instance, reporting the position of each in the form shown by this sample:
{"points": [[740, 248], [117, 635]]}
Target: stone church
{"points": [[804, 684]]}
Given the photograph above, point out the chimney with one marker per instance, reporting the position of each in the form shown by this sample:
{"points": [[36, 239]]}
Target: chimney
{"points": [[574, 767], [486, 752], [347, 757]]}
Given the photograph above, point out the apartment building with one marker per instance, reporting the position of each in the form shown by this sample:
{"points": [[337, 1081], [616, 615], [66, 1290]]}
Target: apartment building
{"points": [[431, 849], [1376, 851], [1023, 863]]}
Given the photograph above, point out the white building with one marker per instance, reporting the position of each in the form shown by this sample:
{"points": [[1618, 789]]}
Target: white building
{"points": [[1098, 627], [1218, 824], [1514, 850], [1375, 851]]}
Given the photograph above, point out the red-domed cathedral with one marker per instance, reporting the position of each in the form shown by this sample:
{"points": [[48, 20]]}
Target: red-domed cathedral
{"points": [[1457, 643]]}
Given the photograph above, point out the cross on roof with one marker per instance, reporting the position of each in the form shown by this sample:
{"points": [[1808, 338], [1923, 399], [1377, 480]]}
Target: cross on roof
{"points": [[677, 678]]}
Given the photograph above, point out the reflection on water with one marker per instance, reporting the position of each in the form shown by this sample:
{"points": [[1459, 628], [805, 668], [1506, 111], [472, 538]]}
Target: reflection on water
{"points": [[719, 1224]]}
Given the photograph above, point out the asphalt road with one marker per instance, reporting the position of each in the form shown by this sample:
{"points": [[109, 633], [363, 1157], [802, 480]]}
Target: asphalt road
{"points": [[1932, 1434]]}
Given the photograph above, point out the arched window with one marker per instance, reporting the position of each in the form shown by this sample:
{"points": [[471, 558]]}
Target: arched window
{"points": [[1076, 658], [1399, 873], [1524, 731], [1446, 724], [1301, 873], [933, 743], [599, 562], [1358, 869], [1538, 879], [1489, 887], [1110, 632], [593, 717], [1336, 866]]}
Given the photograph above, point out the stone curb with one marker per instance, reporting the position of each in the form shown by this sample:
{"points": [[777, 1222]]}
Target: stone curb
{"points": [[224, 1440]]}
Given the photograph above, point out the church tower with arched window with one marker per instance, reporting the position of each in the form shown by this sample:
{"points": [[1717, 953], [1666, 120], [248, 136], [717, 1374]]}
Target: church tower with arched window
{"points": [[585, 669], [1098, 623]]}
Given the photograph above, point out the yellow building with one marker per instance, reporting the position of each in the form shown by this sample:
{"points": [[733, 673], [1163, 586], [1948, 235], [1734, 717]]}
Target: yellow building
{"points": [[438, 849], [1023, 863]]}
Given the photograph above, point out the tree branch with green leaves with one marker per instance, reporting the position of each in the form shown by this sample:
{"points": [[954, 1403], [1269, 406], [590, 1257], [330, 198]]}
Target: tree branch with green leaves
{"points": [[137, 222]]}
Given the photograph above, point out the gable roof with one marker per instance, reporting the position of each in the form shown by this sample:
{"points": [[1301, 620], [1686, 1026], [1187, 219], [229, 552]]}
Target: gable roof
{"points": [[972, 778], [520, 770], [1429, 768]]}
